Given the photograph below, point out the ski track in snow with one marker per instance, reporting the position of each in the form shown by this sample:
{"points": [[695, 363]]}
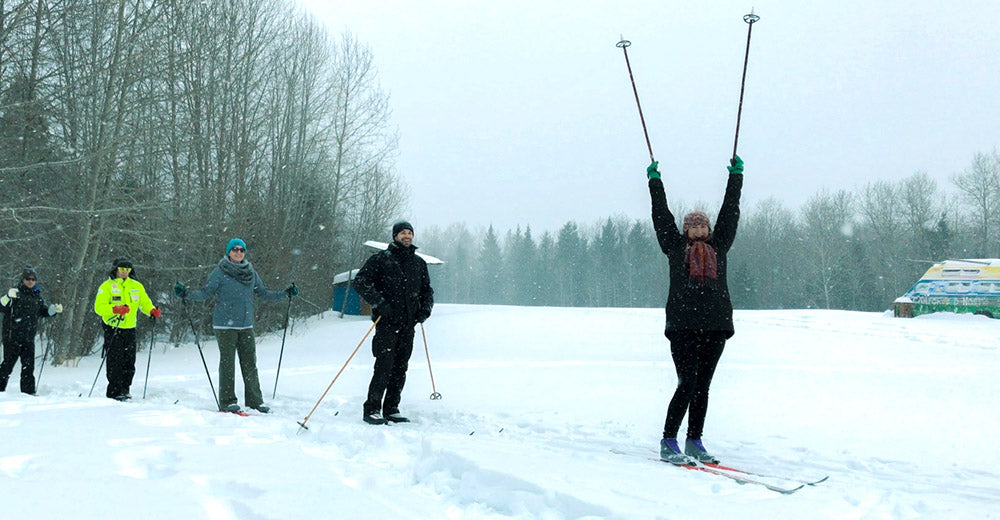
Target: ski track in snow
{"points": [[535, 401]]}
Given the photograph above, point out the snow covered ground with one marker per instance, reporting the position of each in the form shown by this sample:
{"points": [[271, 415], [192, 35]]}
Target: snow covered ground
{"points": [[901, 414]]}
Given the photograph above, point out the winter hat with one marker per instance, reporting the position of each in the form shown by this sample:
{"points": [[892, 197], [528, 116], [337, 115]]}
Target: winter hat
{"points": [[122, 262], [696, 218], [29, 272], [235, 242], [399, 226]]}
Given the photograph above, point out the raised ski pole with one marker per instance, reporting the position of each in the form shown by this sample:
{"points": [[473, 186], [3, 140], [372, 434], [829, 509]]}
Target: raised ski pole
{"points": [[623, 45], [435, 395], [104, 356], [303, 422], [202, 354], [149, 357], [750, 19], [281, 354]]}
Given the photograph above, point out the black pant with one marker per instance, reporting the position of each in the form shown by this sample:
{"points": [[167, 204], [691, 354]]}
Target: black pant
{"points": [[119, 345], [696, 354], [12, 350], [392, 346]]}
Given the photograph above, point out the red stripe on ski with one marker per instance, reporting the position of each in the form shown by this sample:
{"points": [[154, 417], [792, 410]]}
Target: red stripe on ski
{"points": [[745, 472]]}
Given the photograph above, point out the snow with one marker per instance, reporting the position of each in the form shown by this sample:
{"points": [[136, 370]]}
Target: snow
{"points": [[345, 276], [900, 413]]}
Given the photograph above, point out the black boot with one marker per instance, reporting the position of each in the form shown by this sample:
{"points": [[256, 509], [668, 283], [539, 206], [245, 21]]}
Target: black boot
{"points": [[374, 418]]}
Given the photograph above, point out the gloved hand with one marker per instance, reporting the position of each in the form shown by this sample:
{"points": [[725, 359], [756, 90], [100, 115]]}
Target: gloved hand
{"points": [[385, 310], [120, 310], [180, 290], [422, 316], [651, 171], [55, 308], [12, 293], [155, 313], [737, 165], [292, 290]]}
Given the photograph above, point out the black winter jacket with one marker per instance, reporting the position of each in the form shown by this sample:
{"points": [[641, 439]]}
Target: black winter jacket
{"points": [[691, 306], [396, 284], [20, 315]]}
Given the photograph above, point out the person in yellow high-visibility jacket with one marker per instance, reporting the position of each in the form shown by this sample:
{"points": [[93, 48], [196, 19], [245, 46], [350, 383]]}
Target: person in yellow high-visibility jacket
{"points": [[118, 302]]}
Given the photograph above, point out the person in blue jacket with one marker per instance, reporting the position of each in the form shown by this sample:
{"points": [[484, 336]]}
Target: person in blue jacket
{"points": [[233, 283]]}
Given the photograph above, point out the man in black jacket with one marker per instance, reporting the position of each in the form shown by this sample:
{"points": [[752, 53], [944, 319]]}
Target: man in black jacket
{"points": [[21, 308], [396, 284]]}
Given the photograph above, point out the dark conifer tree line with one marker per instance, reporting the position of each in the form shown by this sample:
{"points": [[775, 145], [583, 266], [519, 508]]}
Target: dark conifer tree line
{"points": [[840, 250]]}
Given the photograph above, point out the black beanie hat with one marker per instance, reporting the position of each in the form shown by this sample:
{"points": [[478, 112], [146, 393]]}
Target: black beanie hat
{"points": [[399, 226], [29, 272], [122, 262]]}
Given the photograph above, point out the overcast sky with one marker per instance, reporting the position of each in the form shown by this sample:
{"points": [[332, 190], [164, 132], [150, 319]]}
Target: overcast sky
{"points": [[521, 112]]}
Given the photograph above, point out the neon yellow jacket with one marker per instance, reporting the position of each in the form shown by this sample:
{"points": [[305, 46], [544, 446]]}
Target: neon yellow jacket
{"points": [[118, 291]]}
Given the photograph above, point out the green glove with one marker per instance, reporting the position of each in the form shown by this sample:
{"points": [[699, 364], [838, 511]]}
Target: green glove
{"points": [[651, 170], [737, 165], [180, 290], [292, 290]]}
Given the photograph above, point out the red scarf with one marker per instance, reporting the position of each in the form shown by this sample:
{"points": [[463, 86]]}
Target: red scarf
{"points": [[701, 261]]}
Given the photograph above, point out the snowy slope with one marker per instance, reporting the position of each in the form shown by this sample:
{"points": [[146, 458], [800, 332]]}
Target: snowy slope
{"points": [[899, 413]]}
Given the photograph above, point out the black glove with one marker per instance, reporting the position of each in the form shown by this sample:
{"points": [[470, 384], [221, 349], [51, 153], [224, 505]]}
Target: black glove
{"points": [[422, 316], [180, 290], [385, 310], [292, 290]]}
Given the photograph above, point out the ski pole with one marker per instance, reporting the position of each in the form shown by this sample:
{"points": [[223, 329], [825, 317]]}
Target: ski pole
{"points": [[303, 422], [149, 357], [435, 395], [202, 354], [749, 19], [281, 354], [45, 354], [104, 356], [623, 45]]}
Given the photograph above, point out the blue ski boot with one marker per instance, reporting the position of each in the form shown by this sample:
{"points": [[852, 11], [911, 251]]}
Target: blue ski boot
{"points": [[696, 450], [671, 452]]}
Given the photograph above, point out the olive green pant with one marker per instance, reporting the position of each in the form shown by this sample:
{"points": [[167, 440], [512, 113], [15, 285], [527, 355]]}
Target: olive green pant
{"points": [[240, 342]]}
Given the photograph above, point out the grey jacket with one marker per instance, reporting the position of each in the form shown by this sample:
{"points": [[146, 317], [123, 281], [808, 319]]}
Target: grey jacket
{"points": [[233, 298]]}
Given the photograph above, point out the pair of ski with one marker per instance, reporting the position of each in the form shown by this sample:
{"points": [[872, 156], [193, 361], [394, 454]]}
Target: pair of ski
{"points": [[743, 476], [750, 477]]}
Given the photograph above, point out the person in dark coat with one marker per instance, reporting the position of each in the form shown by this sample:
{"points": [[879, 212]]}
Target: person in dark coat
{"points": [[699, 309], [233, 283], [396, 284], [22, 306]]}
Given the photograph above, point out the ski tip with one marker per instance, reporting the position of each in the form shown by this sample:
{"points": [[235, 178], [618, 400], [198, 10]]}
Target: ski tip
{"points": [[786, 491]]}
